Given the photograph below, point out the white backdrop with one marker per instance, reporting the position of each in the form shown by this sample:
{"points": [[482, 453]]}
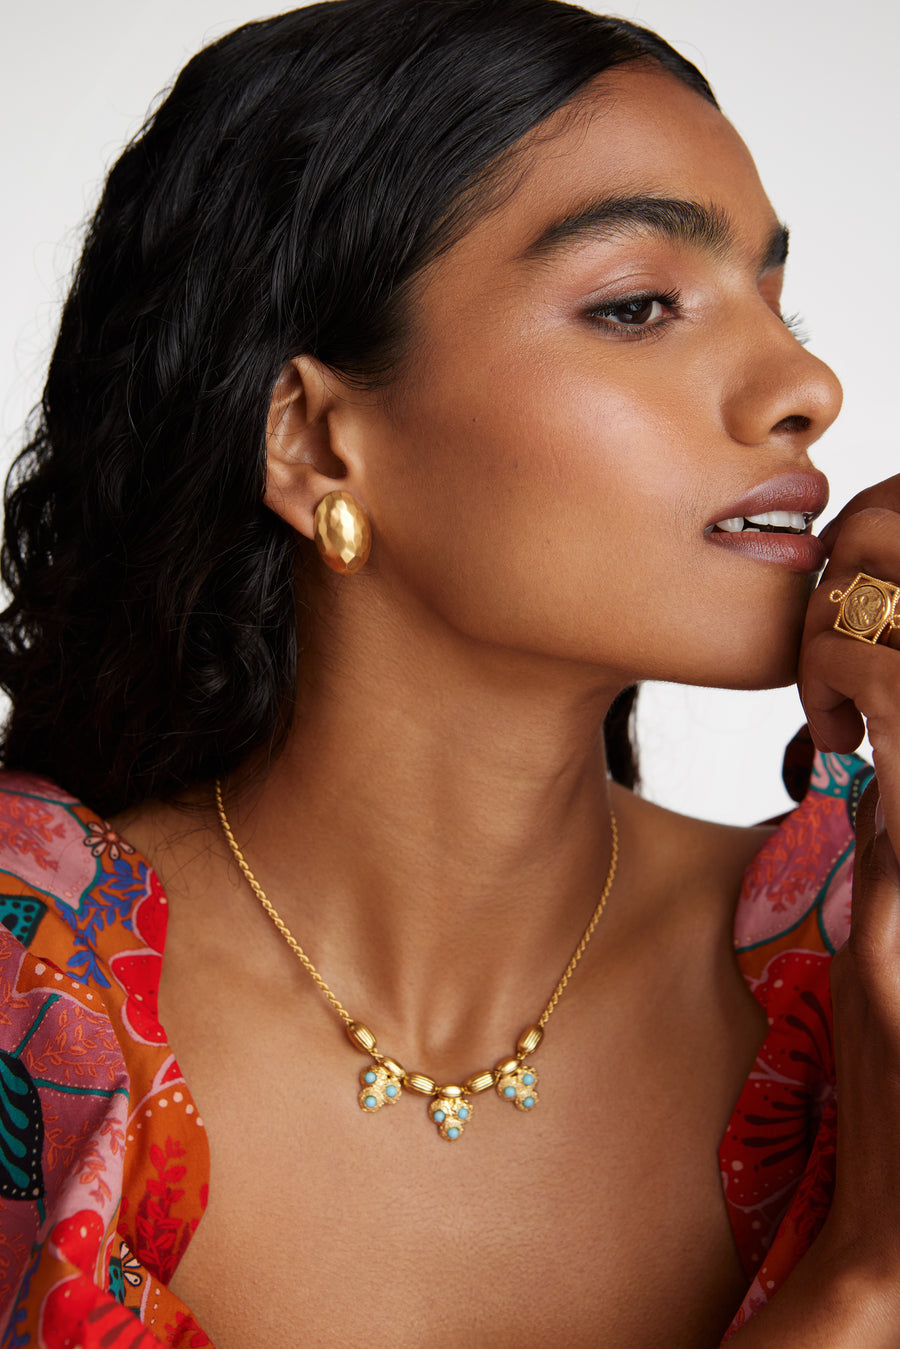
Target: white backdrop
{"points": [[811, 84]]}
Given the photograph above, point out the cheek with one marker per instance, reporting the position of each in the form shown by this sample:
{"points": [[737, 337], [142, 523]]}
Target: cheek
{"points": [[564, 515], [520, 506]]}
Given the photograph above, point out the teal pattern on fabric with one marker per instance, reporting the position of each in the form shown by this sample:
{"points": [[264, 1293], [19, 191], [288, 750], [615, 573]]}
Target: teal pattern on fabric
{"points": [[860, 781], [839, 772], [22, 914], [21, 1132]]}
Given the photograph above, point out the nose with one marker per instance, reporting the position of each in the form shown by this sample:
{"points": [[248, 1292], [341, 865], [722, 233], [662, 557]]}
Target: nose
{"points": [[782, 392]]}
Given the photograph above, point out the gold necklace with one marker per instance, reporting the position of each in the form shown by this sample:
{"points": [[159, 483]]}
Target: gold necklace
{"points": [[381, 1082]]}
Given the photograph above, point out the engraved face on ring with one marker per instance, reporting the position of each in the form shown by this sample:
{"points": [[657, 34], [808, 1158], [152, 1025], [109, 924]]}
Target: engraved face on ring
{"points": [[865, 608]]}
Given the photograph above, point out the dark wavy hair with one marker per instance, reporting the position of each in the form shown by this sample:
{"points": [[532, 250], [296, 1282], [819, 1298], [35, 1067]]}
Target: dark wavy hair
{"points": [[279, 201]]}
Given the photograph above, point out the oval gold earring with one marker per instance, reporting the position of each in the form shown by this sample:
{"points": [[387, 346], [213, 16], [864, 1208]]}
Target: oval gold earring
{"points": [[342, 534]]}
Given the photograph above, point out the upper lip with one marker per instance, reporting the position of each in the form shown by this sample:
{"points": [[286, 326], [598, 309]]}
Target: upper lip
{"points": [[805, 492]]}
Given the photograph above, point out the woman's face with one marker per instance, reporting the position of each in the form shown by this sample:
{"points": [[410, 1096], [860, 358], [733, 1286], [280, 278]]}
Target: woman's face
{"points": [[600, 373]]}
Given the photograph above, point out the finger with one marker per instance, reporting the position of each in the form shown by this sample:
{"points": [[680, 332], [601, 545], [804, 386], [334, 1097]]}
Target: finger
{"points": [[840, 681], [835, 671], [869, 542], [884, 494], [875, 933]]}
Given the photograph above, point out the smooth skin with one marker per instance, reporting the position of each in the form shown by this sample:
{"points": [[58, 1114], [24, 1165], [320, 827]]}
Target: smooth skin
{"points": [[540, 479]]}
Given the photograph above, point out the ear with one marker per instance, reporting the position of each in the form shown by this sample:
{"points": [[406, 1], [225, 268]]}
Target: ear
{"points": [[302, 463]]}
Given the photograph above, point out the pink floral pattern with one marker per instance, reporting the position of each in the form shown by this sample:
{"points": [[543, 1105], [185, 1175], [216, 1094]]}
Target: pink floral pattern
{"points": [[41, 844], [121, 1182]]}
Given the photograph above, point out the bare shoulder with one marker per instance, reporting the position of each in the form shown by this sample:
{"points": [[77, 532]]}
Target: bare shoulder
{"points": [[172, 836], [700, 858]]}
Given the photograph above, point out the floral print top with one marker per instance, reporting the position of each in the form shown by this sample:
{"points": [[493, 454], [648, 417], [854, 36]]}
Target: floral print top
{"points": [[104, 1162]]}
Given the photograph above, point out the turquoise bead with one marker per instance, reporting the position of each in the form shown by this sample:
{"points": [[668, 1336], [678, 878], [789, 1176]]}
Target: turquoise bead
{"points": [[509, 1091], [463, 1112], [453, 1133], [390, 1091], [370, 1077], [439, 1116], [528, 1079], [528, 1102], [371, 1102]]}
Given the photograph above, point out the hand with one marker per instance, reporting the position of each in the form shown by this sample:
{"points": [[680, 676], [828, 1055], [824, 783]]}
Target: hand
{"points": [[842, 682], [845, 1292]]}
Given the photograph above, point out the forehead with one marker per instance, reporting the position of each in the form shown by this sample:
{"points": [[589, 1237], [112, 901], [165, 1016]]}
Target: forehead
{"points": [[634, 131]]}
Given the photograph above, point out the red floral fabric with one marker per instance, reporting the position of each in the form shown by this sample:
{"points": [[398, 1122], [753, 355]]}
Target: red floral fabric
{"points": [[104, 1163], [777, 1156]]}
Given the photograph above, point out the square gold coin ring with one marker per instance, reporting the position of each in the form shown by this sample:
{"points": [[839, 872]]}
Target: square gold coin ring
{"points": [[867, 608]]}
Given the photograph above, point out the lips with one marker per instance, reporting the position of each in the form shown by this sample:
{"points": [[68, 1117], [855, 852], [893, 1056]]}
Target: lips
{"points": [[772, 523], [794, 493]]}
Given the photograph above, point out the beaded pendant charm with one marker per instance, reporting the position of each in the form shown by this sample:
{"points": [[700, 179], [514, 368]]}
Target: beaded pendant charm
{"points": [[451, 1112], [517, 1082], [379, 1087]]}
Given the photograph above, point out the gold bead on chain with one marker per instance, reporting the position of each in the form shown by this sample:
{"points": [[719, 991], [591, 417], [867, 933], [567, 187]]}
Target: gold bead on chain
{"points": [[382, 1081]]}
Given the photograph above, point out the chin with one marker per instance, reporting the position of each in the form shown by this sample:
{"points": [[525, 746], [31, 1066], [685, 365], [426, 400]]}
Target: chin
{"points": [[766, 670], [756, 666]]}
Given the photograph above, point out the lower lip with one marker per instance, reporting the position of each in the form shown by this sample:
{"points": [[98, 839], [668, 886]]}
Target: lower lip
{"points": [[797, 552]]}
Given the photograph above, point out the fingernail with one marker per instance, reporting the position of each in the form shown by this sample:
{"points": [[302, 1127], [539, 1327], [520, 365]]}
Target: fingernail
{"points": [[879, 818]]}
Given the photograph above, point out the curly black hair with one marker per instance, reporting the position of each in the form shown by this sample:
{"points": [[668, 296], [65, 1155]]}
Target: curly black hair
{"points": [[279, 201]]}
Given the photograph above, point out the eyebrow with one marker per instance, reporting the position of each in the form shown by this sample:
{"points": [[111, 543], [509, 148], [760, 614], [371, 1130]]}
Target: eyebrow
{"points": [[685, 222]]}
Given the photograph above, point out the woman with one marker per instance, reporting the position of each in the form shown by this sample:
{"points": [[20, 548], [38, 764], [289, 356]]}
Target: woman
{"points": [[495, 289]]}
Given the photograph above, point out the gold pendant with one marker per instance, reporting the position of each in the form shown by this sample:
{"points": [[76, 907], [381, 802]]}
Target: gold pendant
{"points": [[379, 1087], [517, 1082], [451, 1112]]}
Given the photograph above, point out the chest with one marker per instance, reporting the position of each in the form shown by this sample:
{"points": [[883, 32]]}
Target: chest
{"points": [[596, 1218]]}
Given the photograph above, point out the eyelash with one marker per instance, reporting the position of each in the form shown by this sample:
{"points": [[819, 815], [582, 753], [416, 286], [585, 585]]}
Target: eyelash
{"points": [[602, 315], [795, 324]]}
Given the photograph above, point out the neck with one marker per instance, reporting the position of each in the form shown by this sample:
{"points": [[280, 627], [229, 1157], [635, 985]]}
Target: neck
{"points": [[447, 832]]}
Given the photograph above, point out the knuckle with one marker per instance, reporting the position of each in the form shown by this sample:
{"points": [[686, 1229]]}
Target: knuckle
{"points": [[871, 519], [865, 536]]}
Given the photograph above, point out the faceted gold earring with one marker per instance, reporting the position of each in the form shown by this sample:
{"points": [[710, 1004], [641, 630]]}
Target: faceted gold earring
{"points": [[342, 532]]}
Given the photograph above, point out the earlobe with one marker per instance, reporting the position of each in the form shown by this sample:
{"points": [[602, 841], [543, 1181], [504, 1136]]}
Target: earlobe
{"points": [[302, 466]]}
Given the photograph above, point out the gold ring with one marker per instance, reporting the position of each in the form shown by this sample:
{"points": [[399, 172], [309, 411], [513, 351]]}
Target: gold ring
{"points": [[867, 608]]}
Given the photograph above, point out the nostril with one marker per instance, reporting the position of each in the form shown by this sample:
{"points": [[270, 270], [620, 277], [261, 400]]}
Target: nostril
{"points": [[793, 423]]}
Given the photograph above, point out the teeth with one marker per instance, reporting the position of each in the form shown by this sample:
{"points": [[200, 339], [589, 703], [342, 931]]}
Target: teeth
{"points": [[795, 521], [779, 520]]}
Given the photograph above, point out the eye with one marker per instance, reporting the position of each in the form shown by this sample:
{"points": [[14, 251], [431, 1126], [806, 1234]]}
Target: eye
{"points": [[634, 315], [636, 312]]}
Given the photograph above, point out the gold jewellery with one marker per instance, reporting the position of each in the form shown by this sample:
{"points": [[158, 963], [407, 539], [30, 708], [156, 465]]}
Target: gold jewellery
{"points": [[451, 1107], [867, 608], [342, 532]]}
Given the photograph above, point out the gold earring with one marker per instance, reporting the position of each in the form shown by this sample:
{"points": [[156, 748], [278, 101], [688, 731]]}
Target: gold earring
{"points": [[342, 532]]}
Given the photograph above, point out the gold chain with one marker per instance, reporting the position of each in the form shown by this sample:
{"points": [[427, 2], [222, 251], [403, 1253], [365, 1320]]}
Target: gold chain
{"points": [[511, 1077]]}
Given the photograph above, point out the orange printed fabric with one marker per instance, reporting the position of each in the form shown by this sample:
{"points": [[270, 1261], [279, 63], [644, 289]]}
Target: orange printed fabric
{"points": [[104, 1162], [777, 1156]]}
